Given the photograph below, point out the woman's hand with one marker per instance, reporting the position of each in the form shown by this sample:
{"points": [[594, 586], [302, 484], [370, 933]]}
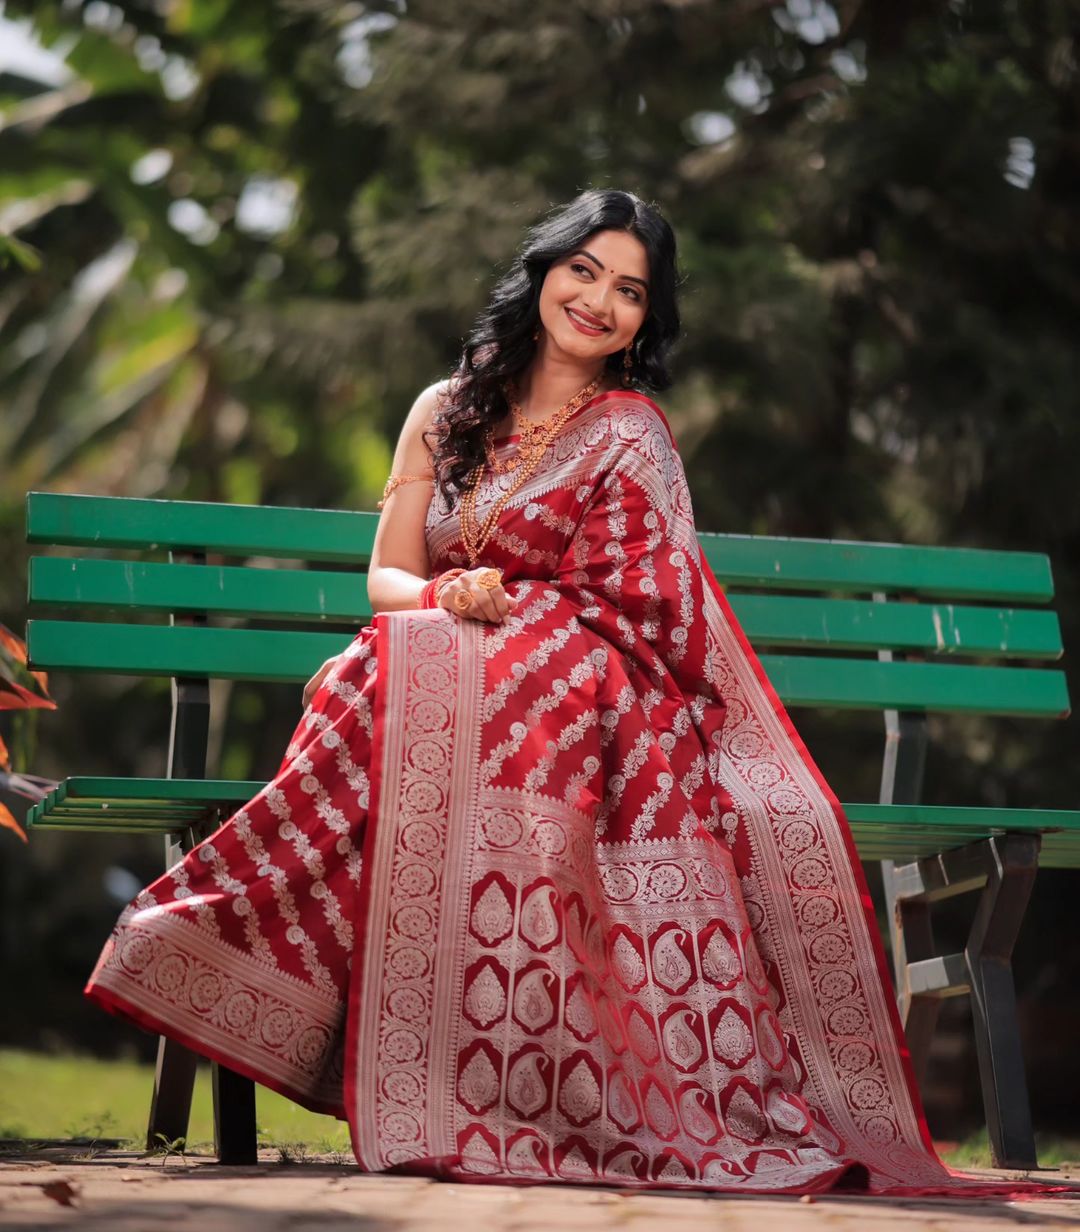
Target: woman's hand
{"points": [[316, 680], [491, 605]]}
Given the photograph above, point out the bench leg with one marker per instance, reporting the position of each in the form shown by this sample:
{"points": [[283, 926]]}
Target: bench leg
{"points": [[170, 1106], [1012, 861], [1002, 869], [234, 1117], [912, 934]]}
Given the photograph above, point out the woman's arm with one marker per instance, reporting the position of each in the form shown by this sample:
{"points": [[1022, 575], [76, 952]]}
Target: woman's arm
{"points": [[400, 566]]}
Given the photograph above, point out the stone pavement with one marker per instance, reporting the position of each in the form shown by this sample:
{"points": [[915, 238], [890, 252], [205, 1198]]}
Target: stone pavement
{"points": [[116, 1191]]}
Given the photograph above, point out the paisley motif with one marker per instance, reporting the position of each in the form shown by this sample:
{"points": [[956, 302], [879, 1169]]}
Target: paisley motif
{"points": [[671, 968], [534, 1006], [682, 1046], [526, 1088], [539, 921]]}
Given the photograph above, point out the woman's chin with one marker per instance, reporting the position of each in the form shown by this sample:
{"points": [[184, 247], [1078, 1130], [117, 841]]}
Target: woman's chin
{"points": [[585, 350]]}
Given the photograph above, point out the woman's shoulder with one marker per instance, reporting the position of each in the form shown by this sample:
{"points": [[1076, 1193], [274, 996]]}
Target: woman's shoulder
{"points": [[428, 401]]}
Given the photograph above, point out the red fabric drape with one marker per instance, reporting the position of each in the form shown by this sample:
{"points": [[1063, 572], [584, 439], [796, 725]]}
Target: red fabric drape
{"points": [[561, 898]]}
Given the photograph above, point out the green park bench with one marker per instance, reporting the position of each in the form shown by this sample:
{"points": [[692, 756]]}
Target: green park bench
{"points": [[904, 630]]}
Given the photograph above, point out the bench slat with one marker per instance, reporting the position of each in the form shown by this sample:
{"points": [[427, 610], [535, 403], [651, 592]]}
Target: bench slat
{"points": [[343, 535], [852, 624], [836, 565], [233, 530], [867, 683], [261, 654], [881, 831], [291, 594], [173, 650], [228, 590]]}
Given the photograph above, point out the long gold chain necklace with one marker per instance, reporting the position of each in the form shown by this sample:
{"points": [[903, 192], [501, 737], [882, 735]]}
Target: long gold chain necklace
{"points": [[532, 445]]}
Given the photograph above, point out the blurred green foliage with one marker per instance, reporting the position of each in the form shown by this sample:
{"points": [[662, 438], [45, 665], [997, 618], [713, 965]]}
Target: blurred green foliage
{"points": [[237, 238]]}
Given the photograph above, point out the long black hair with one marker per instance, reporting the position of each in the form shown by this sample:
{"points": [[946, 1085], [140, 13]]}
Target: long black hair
{"points": [[501, 345]]}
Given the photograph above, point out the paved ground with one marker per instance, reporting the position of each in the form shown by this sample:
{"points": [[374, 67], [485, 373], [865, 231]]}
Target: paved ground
{"points": [[115, 1191]]}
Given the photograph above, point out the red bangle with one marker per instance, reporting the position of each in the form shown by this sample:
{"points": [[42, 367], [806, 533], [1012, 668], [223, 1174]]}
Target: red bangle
{"points": [[427, 595]]}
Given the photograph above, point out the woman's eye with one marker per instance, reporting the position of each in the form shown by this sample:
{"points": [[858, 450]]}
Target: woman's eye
{"points": [[631, 293], [578, 268]]}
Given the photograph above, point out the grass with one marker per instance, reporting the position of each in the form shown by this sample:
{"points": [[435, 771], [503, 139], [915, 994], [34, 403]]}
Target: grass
{"points": [[48, 1096], [69, 1096], [974, 1151]]}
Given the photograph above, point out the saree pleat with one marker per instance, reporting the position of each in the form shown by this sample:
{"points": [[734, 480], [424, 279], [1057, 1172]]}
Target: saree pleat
{"points": [[561, 898]]}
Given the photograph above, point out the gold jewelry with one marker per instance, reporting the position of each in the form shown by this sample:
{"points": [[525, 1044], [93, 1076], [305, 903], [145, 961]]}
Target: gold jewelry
{"points": [[462, 600], [395, 482], [535, 438], [441, 581], [628, 364], [490, 579]]}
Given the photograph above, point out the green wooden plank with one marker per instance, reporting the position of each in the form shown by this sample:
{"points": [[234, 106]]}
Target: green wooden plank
{"points": [[131, 805], [97, 787], [167, 650], [290, 594], [342, 535], [869, 684], [881, 831], [913, 831], [233, 530], [259, 654], [941, 629], [838, 565], [892, 816], [280, 594], [106, 825]]}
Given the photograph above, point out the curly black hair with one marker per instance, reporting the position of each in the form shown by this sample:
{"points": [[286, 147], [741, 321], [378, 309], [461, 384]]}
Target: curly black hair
{"points": [[501, 345]]}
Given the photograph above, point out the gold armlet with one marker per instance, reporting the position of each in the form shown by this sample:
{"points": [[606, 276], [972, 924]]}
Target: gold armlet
{"points": [[395, 482]]}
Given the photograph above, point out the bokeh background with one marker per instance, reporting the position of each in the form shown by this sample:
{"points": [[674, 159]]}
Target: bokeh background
{"points": [[238, 236]]}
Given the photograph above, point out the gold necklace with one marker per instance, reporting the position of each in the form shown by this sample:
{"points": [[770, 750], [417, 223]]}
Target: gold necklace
{"points": [[533, 438], [531, 449]]}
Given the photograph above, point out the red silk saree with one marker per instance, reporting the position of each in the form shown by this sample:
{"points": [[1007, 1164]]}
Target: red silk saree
{"points": [[563, 898]]}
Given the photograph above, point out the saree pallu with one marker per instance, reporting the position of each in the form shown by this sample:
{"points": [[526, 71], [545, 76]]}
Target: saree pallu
{"points": [[560, 898]]}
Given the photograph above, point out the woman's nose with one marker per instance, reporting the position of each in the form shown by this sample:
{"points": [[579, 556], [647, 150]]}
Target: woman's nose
{"points": [[597, 299]]}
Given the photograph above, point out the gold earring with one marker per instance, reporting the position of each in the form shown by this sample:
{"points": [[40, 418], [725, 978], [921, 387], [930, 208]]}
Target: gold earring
{"points": [[628, 364]]}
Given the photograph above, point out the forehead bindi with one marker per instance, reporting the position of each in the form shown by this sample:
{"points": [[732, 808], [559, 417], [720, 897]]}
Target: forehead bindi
{"points": [[618, 253]]}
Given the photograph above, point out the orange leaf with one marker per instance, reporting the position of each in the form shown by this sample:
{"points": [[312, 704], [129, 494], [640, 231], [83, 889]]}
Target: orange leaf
{"points": [[14, 697], [5, 756], [43, 681], [14, 645], [8, 822]]}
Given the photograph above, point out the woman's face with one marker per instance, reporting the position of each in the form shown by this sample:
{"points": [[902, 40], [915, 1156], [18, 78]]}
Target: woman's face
{"points": [[594, 300]]}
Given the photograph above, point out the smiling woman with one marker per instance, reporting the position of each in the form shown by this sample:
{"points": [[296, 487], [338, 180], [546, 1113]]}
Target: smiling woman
{"points": [[547, 885], [591, 295]]}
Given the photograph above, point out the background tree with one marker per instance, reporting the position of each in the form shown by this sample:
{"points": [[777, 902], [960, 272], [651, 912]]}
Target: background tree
{"points": [[241, 237]]}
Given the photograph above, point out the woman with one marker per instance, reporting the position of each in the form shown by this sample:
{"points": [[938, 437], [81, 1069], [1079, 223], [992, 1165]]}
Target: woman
{"points": [[546, 886]]}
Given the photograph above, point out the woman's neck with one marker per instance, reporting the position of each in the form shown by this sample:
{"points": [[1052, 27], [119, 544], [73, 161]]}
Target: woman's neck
{"points": [[551, 381]]}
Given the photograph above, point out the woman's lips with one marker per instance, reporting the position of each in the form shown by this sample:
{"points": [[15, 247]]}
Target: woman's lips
{"points": [[582, 324]]}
